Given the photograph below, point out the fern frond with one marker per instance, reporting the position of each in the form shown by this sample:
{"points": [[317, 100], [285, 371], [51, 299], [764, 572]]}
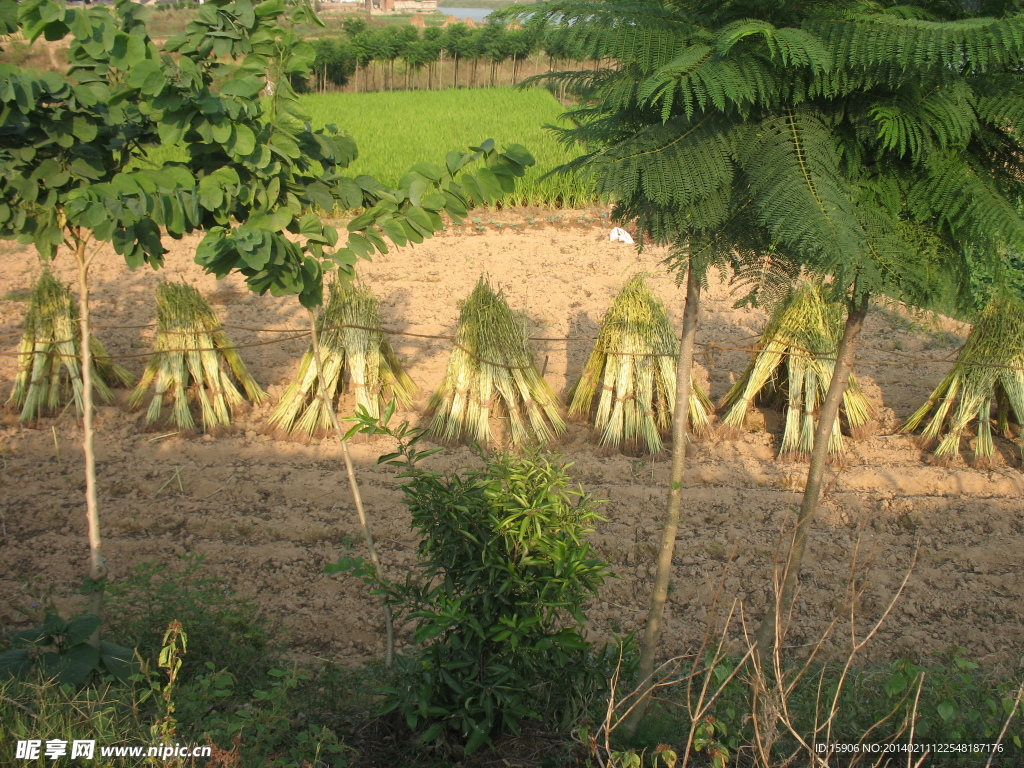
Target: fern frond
{"points": [[800, 195], [789, 46], [913, 124], [674, 164], [966, 202], [765, 278], [914, 44], [1004, 110]]}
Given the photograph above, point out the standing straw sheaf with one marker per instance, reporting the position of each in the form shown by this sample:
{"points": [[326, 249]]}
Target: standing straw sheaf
{"points": [[491, 372], [188, 360], [356, 356], [794, 361], [632, 374], [989, 370], [49, 374]]}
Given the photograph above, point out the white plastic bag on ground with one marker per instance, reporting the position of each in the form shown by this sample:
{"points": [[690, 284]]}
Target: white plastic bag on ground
{"points": [[621, 235]]}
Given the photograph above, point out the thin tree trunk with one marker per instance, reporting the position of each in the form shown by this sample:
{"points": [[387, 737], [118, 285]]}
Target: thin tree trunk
{"points": [[770, 629], [455, 79], [680, 417], [389, 622], [97, 566]]}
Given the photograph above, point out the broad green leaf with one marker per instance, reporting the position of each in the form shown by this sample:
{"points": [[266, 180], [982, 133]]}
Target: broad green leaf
{"points": [[119, 661], [221, 130], [243, 140], [434, 201], [946, 709], [146, 75], [80, 629], [128, 51], [417, 186], [519, 154], [274, 220], [71, 667], [270, 8], [320, 195], [420, 220], [243, 87], [456, 161], [15, 663], [431, 171]]}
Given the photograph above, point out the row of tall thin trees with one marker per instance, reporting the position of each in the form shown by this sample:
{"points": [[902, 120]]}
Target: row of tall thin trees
{"points": [[403, 57]]}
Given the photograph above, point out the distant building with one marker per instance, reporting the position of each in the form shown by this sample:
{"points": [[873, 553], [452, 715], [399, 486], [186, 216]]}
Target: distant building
{"points": [[400, 6]]}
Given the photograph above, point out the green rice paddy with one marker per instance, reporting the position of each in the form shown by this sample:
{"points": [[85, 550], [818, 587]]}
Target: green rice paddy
{"points": [[395, 130]]}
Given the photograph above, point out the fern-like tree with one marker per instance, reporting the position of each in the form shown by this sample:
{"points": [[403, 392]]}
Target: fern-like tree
{"points": [[776, 136], [71, 173], [459, 44]]}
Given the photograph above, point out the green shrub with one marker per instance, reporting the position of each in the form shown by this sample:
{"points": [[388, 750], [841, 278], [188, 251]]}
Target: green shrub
{"points": [[225, 630], [264, 727], [62, 650], [497, 600]]}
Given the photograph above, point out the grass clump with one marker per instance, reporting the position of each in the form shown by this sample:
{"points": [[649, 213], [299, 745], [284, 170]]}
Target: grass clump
{"points": [[988, 371], [49, 374], [189, 357], [356, 357], [633, 363], [45, 710], [223, 629], [793, 363], [491, 372]]}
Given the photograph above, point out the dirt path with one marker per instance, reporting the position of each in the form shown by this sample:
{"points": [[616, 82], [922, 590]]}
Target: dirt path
{"points": [[269, 514]]}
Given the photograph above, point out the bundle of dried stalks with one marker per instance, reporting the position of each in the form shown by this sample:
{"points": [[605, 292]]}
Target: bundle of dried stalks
{"points": [[491, 372], [631, 373], [356, 356], [49, 376], [793, 362], [988, 371], [193, 359]]}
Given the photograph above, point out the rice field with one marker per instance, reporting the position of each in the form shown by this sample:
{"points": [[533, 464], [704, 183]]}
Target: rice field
{"points": [[395, 130]]}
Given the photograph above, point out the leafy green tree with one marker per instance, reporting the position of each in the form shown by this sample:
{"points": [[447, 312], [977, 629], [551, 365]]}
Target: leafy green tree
{"points": [[70, 170], [777, 136], [420, 54], [475, 50], [458, 43], [520, 43], [433, 43], [494, 47], [334, 63]]}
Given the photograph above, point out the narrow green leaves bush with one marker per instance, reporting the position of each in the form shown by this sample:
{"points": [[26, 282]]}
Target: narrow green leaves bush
{"points": [[497, 600]]}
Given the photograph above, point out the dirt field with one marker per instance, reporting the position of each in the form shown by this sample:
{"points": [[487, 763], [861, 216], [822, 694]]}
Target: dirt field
{"points": [[269, 514]]}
